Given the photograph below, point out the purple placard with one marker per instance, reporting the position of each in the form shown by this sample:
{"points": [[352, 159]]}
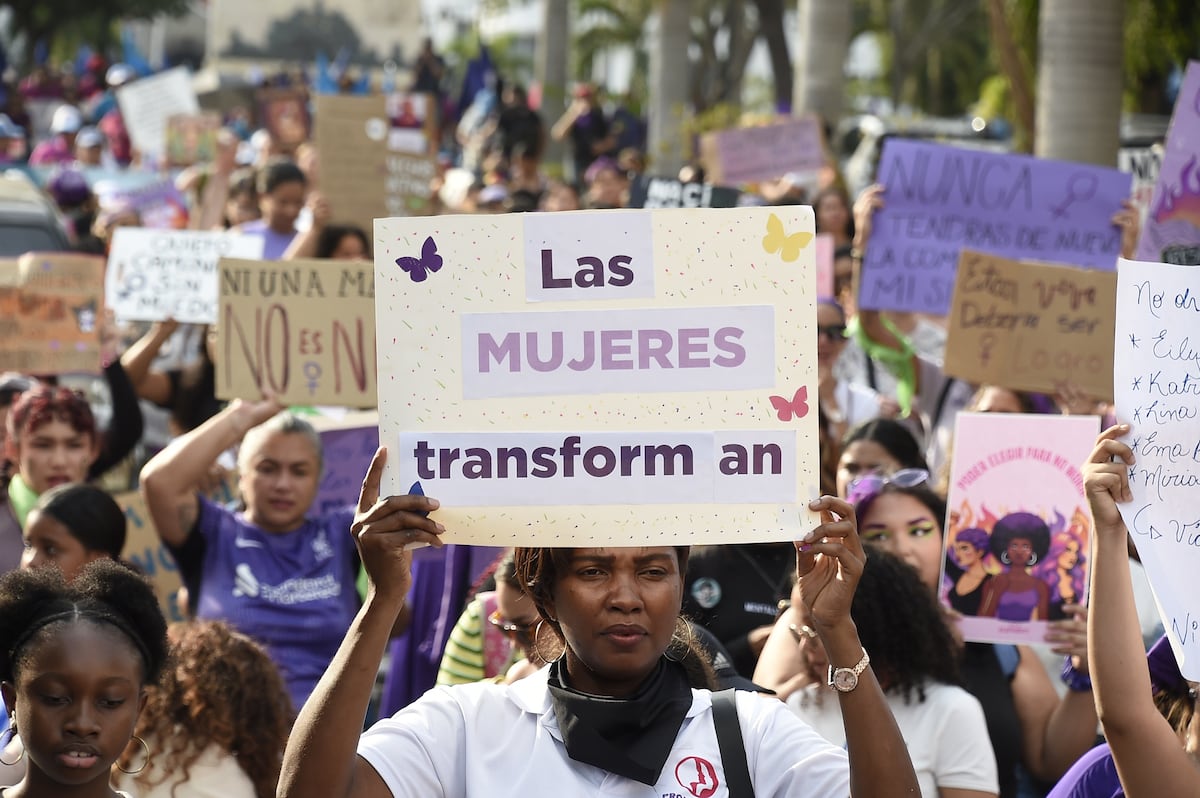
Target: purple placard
{"points": [[753, 154], [941, 199], [347, 455], [1172, 230]]}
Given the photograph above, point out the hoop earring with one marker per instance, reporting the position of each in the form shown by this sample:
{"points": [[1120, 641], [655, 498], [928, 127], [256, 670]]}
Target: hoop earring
{"points": [[1033, 558], [1004, 558], [537, 633], [146, 762], [12, 735]]}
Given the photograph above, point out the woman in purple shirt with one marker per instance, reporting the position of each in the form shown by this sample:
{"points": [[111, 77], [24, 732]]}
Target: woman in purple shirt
{"points": [[272, 570], [282, 189]]}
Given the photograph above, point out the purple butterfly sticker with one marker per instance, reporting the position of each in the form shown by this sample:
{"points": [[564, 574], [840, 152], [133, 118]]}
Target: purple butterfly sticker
{"points": [[419, 268]]}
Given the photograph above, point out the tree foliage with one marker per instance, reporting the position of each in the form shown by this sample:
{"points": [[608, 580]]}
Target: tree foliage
{"points": [[46, 20]]}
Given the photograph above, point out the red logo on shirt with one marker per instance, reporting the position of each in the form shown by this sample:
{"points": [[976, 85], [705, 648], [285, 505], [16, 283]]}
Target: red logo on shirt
{"points": [[697, 776]]}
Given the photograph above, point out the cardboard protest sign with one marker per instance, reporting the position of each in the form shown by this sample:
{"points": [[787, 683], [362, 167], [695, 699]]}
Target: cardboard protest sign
{"points": [[192, 138], [284, 113], [413, 122], [303, 329], [1030, 326], [348, 444], [666, 192], [147, 103], [1019, 530], [362, 175], [621, 376], [1156, 379], [155, 275], [50, 312], [1171, 232], [752, 154], [942, 199]]}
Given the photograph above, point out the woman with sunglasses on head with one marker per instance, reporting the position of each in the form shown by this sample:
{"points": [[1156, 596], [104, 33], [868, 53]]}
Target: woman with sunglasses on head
{"points": [[494, 632], [1028, 724], [880, 446], [1027, 721], [613, 712]]}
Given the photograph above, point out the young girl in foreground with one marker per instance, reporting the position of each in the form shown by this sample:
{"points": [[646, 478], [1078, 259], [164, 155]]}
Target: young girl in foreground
{"points": [[75, 659]]}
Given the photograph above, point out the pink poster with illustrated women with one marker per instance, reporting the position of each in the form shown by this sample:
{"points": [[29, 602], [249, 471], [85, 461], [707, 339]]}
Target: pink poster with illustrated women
{"points": [[1018, 530]]}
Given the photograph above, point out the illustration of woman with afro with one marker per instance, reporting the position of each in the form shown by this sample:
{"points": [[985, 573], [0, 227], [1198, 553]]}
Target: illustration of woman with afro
{"points": [[1019, 541]]}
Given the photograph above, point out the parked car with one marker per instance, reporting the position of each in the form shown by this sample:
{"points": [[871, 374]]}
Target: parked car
{"points": [[29, 220]]}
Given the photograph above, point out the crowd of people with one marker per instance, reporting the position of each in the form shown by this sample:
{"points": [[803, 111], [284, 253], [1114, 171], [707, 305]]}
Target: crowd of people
{"points": [[824, 666]]}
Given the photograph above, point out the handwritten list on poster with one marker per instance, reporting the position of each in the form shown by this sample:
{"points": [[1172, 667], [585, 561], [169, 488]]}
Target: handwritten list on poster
{"points": [[1157, 385]]}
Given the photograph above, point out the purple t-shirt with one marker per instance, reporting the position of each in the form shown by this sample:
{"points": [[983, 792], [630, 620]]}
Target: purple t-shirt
{"points": [[293, 592], [274, 244], [1094, 775]]}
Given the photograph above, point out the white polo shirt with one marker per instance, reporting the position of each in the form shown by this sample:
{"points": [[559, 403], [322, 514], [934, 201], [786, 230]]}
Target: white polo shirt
{"points": [[485, 740]]}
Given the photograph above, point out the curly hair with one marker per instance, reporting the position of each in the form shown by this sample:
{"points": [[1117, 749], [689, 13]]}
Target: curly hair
{"points": [[47, 403], [539, 571], [1026, 526], [223, 690], [900, 623], [35, 604]]}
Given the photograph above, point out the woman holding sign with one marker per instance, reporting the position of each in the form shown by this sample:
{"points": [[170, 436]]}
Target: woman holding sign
{"points": [[274, 570], [1152, 758], [614, 709]]}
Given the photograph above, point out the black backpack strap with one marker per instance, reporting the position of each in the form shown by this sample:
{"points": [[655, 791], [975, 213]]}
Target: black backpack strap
{"points": [[729, 740]]}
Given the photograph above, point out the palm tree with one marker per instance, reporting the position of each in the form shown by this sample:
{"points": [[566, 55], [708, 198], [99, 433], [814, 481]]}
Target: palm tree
{"points": [[552, 69], [1079, 80], [669, 85], [821, 58]]}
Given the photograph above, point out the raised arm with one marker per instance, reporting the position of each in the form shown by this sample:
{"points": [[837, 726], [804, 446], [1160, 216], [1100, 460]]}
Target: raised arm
{"points": [[829, 563], [304, 245], [154, 386], [781, 664], [1149, 757], [873, 326], [169, 480], [321, 760]]}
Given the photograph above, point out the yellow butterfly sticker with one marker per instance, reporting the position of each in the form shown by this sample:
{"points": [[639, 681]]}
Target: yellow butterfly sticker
{"points": [[788, 246]]}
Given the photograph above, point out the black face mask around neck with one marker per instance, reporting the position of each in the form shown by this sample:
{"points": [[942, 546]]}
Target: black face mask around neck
{"points": [[631, 737]]}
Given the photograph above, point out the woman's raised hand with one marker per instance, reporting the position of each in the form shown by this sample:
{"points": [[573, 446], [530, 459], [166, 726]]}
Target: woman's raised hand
{"points": [[248, 415], [1106, 478], [829, 563], [386, 530]]}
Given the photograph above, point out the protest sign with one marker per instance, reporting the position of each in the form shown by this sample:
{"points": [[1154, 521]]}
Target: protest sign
{"points": [[942, 199], [145, 549], [1031, 326], [361, 175], [302, 329], [1016, 477], [192, 138], [666, 192], [1145, 164], [155, 199], [155, 275], [284, 113], [752, 154], [1171, 232], [347, 444], [147, 103], [620, 376], [413, 122], [50, 312], [1156, 379]]}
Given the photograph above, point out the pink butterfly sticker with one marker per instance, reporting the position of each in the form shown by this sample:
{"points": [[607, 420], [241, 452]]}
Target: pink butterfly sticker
{"points": [[796, 408]]}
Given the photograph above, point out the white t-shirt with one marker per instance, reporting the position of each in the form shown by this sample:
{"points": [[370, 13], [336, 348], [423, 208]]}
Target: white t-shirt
{"points": [[946, 734], [214, 774], [487, 740]]}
